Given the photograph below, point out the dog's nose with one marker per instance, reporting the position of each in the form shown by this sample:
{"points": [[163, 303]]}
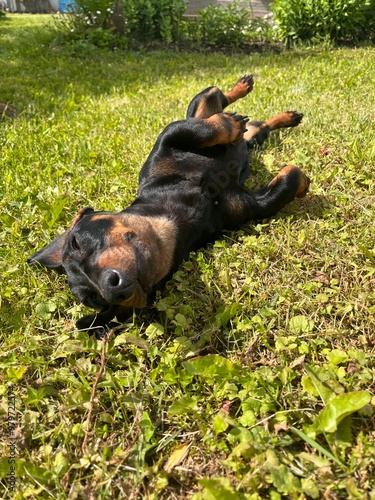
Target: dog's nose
{"points": [[116, 288], [113, 278]]}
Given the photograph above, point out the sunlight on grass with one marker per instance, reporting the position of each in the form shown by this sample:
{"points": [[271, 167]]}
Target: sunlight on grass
{"points": [[253, 376]]}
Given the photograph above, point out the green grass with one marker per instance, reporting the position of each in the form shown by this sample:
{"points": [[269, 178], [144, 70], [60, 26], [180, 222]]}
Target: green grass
{"points": [[254, 376]]}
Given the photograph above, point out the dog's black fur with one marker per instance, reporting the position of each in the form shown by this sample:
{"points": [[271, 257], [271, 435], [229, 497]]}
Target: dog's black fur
{"points": [[190, 189]]}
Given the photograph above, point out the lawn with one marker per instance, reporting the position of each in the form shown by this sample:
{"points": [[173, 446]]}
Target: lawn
{"points": [[253, 377]]}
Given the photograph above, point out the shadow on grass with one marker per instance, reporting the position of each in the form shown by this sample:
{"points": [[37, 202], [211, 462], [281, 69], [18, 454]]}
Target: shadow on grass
{"points": [[37, 72]]}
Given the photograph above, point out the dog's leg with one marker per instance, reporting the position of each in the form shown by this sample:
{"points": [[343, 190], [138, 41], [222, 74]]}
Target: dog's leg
{"points": [[212, 100], [243, 87], [258, 132], [222, 128], [206, 125], [240, 205]]}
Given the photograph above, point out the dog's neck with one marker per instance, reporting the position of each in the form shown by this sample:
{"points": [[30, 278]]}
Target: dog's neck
{"points": [[160, 233]]}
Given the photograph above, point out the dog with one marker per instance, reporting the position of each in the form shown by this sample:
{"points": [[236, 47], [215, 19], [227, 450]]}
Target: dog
{"points": [[191, 188]]}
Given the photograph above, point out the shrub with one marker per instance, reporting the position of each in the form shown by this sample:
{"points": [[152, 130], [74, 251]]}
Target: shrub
{"points": [[224, 25], [335, 19], [121, 22], [230, 26], [154, 19], [110, 23], [88, 21]]}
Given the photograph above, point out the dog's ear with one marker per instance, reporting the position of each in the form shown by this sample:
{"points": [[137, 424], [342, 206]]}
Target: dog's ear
{"points": [[51, 255]]}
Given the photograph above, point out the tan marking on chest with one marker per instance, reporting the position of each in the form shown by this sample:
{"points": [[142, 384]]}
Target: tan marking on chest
{"points": [[166, 231], [160, 236]]}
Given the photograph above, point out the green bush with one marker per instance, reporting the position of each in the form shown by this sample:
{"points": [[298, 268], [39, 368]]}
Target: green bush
{"points": [[88, 21], [230, 26], [224, 26], [126, 23], [335, 19], [154, 19], [122, 22]]}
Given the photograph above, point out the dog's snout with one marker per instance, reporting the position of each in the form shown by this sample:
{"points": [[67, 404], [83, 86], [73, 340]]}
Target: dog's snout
{"points": [[116, 287]]}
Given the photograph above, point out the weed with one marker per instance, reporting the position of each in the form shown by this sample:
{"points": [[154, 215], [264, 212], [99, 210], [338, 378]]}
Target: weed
{"points": [[322, 19]]}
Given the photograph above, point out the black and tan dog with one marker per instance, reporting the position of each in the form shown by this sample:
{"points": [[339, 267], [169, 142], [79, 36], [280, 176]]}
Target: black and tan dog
{"points": [[190, 189]]}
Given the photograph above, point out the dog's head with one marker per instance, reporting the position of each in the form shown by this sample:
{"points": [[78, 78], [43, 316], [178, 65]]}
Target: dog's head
{"points": [[112, 258]]}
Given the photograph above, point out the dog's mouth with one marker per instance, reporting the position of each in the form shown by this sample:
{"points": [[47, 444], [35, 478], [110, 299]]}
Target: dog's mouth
{"points": [[90, 298], [131, 296]]}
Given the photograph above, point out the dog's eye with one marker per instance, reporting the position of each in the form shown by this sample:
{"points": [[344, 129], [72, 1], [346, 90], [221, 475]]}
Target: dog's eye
{"points": [[129, 236], [75, 244]]}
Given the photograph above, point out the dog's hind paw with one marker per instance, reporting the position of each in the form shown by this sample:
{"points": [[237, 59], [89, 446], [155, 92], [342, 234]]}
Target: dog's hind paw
{"points": [[295, 118]]}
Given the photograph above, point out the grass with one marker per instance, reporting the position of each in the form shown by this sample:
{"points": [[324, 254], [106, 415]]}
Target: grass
{"points": [[254, 376]]}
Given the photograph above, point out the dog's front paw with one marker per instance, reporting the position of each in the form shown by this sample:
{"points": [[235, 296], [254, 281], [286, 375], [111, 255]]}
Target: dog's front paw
{"points": [[91, 325], [238, 125], [96, 324], [245, 84], [243, 87]]}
